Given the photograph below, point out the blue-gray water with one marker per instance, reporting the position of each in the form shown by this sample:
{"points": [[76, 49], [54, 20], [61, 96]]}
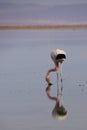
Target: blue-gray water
{"points": [[24, 61]]}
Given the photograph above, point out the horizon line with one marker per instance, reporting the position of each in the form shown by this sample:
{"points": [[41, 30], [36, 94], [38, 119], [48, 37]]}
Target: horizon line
{"points": [[59, 26]]}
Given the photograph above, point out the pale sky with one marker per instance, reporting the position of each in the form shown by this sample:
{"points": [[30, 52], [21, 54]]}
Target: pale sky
{"points": [[58, 2], [14, 11], [47, 2]]}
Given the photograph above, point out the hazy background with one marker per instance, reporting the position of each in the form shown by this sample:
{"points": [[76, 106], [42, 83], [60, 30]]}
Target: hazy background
{"points": [[42, 12]]}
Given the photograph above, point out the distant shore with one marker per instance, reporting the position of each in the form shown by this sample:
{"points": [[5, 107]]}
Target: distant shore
{"points": [[67, 26]]}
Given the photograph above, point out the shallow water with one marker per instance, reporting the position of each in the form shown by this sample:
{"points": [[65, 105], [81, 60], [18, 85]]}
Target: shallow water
{"points": [[24, 61]]}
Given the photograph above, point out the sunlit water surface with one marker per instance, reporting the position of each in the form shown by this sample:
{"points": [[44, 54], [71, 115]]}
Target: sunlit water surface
{"points": [[24, 61]]}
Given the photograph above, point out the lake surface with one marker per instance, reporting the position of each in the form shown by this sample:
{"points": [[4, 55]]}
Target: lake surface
{"points": [[24, 61]]}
